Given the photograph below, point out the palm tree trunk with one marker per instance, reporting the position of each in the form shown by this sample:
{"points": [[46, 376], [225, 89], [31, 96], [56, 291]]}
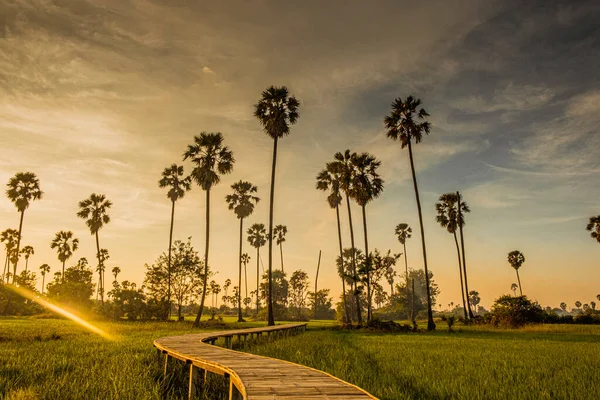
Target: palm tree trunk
{"points": [[407, 289], [100, 281], [430, 323], [356, 296], [169, 265], [464, 261], [519, 280], [257, 278], [246, 285], [6, 268], [18, 246], [63, 272], [271, 317], [281, 254], [240, 319], [26, 264], [460, 272], [339, 229], [367, 265], [43, 281], [199, 316]]}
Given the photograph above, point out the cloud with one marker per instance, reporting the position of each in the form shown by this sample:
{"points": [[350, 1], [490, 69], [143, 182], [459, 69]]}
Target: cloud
{"points": [[510, 98]]}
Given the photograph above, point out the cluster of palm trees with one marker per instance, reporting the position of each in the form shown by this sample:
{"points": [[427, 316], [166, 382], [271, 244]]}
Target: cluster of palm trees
{"points": [[276, 111]]}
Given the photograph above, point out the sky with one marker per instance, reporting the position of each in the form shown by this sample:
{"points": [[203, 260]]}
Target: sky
{"points": [[100, 96]]}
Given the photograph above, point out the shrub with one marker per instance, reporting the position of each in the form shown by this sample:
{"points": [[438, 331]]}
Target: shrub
{"points": [[513, 312]]}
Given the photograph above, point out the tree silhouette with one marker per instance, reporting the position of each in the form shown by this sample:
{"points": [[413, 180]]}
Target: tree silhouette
{"points": [[514, 288], [516, 259], [27, 252], [594, 227], [65, 245], [367, 185], [245, 261], [474, 299], [9, 237], [242, 202], [257, 237], [279, 233], [563, 306], [44, 269], [22, 190], [95, 212], [447, 217], [343, 166], [578, 304], [463, 208], [276, 110], [211, 159], [116, 271], [330, 179], [405, 124], [173, 179], [404, 232]]}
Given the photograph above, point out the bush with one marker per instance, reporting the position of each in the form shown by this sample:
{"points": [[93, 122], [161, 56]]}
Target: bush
{"points": [[514, 312]]}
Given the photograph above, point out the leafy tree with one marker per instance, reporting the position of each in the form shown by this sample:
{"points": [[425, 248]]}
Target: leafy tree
{"points": [[514, 312], [380, 265], [447, 217], [330, 179], [514, 288], [44, 269], [276, 110], [186, 274], [563, 306], [257, 237], [129, 301], [578, 304], [418, 297], [279, 233], [242, 202], [95, 211], [594, 227], [343, 166], [101, 269], [9, 237], [280, 288], [474, 298], [593, 305], [22, 190], [403, 233], [405, 124], [173, 179], [65, 245], [516, 259], [322, 304], [76, 289], [367, 185], [390, 274], [27, 252], [299, 286], [211, 159]]}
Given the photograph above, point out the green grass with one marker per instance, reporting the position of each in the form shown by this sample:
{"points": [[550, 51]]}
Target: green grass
{"points": [[539, 362], [56, 359]]}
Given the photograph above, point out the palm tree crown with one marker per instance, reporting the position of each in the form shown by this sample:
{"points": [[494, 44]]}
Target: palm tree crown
{"points": [[366, 182], [44, 269], [406, 121], [594, 227], [95, 211], [257, 235], [23, 188], [172, 178], [65, 245], [516, 259], [276, 111], [331, 179], [211, 159], [447, 210], [279, 233], [403, 232], [241, 201], [343, 166], [27, 251]]}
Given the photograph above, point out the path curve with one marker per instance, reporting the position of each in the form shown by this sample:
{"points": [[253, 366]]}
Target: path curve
{"points": [[255, 377]]}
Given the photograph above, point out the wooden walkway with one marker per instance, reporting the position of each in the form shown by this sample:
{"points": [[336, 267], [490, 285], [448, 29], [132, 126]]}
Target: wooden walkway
{"points": [[250, 376]]}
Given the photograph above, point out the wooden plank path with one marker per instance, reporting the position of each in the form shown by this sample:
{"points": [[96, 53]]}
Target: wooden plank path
{"points": [[250, 376]]}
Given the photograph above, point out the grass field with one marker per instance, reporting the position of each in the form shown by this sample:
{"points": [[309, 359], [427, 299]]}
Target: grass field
{"points": [[56, 359]]}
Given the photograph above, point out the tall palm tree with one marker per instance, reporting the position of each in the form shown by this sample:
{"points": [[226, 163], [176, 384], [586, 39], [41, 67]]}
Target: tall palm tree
{"points": [[257, 237], [242, 202], [245, 261], [404, 232], [172, 178], [447, 217], [116, 271], [367, 186], [9, 237], [343, 164], [516, 259], [276, 110], [27, 252], [44, 269], [330, 179], [462, 209], [405, 124], [514, 288], [279, 232], [211, 159], [22, 190], [65, 245], [594, 227], [94, 210], [104, 256]]}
